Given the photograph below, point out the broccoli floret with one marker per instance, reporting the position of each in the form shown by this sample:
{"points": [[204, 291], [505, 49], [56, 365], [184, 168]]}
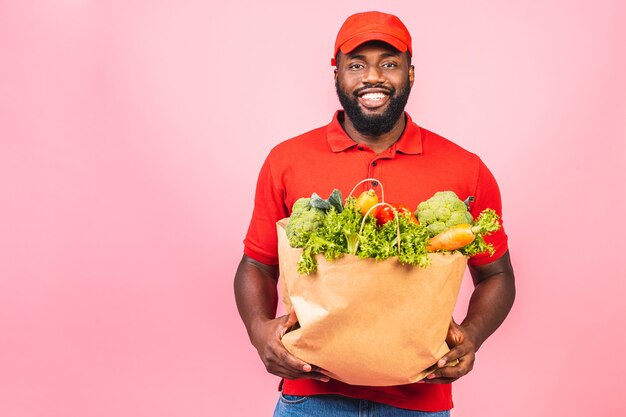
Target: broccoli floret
{"points": [[459, 217], [443, 213], [436, 227], [458, 205], [427, 216], [443, 210], [300, 206], [304, 220]]}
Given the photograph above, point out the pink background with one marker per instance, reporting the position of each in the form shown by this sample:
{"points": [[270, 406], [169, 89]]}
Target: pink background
{"points": [[131, 134]]}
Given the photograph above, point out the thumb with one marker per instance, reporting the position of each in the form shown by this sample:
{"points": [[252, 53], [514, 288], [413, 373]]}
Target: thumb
{"points": [[289, 321], [455, 335]]}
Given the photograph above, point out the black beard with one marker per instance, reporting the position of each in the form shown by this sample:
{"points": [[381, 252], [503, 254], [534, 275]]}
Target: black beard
{"points": [[375, 125]]}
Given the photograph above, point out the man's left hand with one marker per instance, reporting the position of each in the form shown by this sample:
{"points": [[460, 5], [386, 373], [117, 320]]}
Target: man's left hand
{"points": [[461, 348]]}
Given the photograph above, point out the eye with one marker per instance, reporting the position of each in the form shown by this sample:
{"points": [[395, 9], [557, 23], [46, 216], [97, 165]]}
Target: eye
{"points": [[390, 65], [356, 66]]}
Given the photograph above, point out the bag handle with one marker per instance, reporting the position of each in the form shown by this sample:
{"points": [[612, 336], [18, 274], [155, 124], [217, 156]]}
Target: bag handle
{"points": [[382, 190], [382, 203]]}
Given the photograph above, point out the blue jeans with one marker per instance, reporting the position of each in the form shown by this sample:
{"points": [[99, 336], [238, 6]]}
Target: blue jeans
{"points": [[339, 406]]}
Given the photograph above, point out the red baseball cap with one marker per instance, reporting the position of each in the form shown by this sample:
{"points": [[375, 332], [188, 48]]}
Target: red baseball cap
{"points": [[372, 26]]}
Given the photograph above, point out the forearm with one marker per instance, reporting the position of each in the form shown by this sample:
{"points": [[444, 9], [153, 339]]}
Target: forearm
{"points": [[257, 296], [255, 293], [491, 300]]}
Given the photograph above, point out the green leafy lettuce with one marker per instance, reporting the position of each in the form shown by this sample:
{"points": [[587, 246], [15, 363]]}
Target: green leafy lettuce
{"points": [[330, 228], [340, 233]]}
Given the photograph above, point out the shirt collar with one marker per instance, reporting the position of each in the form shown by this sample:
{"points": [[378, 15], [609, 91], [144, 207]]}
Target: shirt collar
{"points": [[410, 142]]}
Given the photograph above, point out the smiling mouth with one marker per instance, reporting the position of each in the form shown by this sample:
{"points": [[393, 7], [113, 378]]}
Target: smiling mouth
{"points": [[373, 100], [373, 96]]}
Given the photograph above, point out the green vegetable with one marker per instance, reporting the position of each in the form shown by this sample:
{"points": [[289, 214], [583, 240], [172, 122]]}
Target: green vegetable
{"points": [[487, 222], [442, 211], [333, 201], [328, 227], [339, 234], [307, 215], [381, 242], [304, 220]]}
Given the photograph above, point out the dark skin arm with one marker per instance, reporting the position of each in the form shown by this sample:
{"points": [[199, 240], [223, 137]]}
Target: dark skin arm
{"points": [[491, 301], [257, 297]]}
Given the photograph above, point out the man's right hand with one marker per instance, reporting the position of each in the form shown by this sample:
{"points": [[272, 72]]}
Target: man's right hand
{"points": [[257, 297], [267, 337]]}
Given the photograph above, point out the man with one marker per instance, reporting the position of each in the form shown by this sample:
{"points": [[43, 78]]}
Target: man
{"points": [[371, 138]]}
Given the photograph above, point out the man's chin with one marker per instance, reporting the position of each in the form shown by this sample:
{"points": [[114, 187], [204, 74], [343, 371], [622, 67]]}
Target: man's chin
{"points": [[371, 121], [373, 125], [376, 115], [373, 111]]}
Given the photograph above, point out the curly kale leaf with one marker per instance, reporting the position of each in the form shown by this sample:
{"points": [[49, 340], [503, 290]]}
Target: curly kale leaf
{"points": [[333, 238], [381, 242]]}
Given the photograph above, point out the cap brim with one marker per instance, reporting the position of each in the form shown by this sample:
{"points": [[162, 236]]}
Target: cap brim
{"points": [[352, 43]]}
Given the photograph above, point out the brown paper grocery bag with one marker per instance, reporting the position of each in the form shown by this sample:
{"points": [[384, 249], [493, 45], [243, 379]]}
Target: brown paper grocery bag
{"points": [[369, 322]]}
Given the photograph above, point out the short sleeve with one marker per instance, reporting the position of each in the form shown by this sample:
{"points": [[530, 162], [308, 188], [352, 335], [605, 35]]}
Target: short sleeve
{"points": [[487, 194], [261, 242]]}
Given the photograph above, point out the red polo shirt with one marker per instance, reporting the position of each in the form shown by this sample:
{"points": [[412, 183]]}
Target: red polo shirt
{"points": [[416, 166]]}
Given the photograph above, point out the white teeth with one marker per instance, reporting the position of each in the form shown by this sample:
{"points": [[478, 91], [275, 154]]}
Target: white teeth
{"points": [[373, 96]]}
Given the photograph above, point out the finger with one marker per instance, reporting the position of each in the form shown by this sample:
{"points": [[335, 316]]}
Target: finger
{"points": [[320, 370], [283, 361], [290, 320], [437, 381], [287, 360], [313, 375], [464, 366], [455, 335], [436, 378], [288, 372], [455, 353], [287, 365], [450, 372], [311, 371]]}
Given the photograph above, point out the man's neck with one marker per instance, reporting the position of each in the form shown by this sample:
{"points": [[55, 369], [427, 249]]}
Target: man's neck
{"points": [[378, 143]]}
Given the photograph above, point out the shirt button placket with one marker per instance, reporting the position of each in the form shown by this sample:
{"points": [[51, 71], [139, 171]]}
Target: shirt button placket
{"points": [[373, 172]]}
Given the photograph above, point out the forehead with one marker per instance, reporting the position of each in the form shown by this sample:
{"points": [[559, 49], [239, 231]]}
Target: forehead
{"points": [[373, 49]]}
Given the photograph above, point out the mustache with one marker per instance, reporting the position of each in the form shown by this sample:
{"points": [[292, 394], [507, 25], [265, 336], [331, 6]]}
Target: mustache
{"points": [[391, 91]]}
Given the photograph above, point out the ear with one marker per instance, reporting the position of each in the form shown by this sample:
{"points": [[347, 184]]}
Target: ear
{"points": [[411, 74]]}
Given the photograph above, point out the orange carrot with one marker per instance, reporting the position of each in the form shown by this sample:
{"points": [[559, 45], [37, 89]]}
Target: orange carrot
{"points": [[452, 238]]}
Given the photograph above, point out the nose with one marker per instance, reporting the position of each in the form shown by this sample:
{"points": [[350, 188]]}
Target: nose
{"points": [[373, 75]]}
